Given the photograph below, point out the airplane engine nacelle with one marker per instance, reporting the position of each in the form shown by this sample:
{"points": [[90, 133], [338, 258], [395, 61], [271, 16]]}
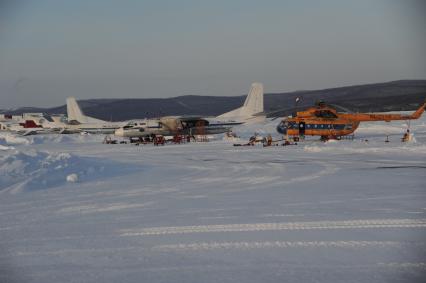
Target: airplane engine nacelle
{"points": [[171, 123]]}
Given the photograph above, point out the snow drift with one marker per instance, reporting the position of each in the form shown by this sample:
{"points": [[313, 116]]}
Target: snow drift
{"points": [[13, 139], [10, 139], [35, 170]]}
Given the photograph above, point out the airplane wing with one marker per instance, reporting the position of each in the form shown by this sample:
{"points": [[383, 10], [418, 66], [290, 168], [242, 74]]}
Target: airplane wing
{"points": [[27, 133], [69, 131]]}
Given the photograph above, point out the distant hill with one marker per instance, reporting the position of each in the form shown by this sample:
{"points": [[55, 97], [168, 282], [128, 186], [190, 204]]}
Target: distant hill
{"points": [[389, 96]]}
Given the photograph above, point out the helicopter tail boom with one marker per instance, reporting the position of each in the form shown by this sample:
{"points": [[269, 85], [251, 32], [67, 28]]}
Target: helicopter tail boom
{"points": [[419, 112], [364, 117]]}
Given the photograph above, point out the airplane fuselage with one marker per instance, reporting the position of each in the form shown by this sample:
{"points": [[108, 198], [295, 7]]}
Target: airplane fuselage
{"points": [[170, 126], [309, 127]]}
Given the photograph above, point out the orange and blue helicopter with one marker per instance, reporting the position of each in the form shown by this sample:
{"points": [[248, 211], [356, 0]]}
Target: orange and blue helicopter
{"points": [[324, 121]]}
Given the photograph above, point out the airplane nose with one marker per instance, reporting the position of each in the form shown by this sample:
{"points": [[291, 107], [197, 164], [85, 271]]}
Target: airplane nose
{"points": [[282, 129], [119, 132]]}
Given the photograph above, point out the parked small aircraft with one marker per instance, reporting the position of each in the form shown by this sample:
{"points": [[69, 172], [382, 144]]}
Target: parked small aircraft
{"points": [[39, 123], [31, 124], [324, 121]]}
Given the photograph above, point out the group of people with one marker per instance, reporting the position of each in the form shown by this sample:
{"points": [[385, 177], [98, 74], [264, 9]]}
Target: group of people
{"points": [[266, 141]]}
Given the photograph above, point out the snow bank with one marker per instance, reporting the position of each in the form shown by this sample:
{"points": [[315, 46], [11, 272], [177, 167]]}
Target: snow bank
{"points": [[59, 138], [34, 170], [10, 139], [13, 139], [2, 147]]}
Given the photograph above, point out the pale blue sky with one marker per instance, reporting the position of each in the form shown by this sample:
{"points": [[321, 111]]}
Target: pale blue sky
{"points": [[51, 49]]}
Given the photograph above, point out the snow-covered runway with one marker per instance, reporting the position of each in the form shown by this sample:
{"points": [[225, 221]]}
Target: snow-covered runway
{"points": [[347, 211]]}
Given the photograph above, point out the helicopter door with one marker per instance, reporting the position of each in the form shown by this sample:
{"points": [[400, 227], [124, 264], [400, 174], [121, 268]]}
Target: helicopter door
{"points": [[302, 128]]}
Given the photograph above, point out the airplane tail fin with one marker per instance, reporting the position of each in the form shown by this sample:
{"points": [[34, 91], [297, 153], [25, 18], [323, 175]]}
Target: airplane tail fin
{"points": [[419, 112], [252, 105], [254, 100], [74, 112]]}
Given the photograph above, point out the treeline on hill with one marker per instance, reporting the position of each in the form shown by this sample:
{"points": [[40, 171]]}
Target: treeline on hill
{"points": [[390, 96]]}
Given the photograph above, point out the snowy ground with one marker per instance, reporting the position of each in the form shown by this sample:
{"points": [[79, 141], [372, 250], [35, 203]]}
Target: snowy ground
{"points": [[347, 211]]}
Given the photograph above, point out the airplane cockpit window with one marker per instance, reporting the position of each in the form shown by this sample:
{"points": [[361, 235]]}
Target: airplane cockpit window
{"points": [[48, 118], [325, 114]]}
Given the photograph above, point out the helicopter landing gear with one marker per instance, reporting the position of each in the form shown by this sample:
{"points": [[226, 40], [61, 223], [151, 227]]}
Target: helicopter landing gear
{"points": [[407, 137], [327, 138]]}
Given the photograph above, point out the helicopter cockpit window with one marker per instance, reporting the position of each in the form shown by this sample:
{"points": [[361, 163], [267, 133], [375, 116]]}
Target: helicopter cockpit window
{"points": [[325, 114], [292, 125]]}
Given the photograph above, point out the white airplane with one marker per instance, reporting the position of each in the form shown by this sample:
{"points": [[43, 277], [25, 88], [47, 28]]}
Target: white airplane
{"points": [[251, 111], [170, 126], [77, 121]]}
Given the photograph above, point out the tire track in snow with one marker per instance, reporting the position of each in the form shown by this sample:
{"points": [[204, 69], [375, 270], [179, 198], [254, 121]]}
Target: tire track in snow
{"points": [[99, 208], [421, 265], [257, 227], [246, 175], [207, 246]]}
